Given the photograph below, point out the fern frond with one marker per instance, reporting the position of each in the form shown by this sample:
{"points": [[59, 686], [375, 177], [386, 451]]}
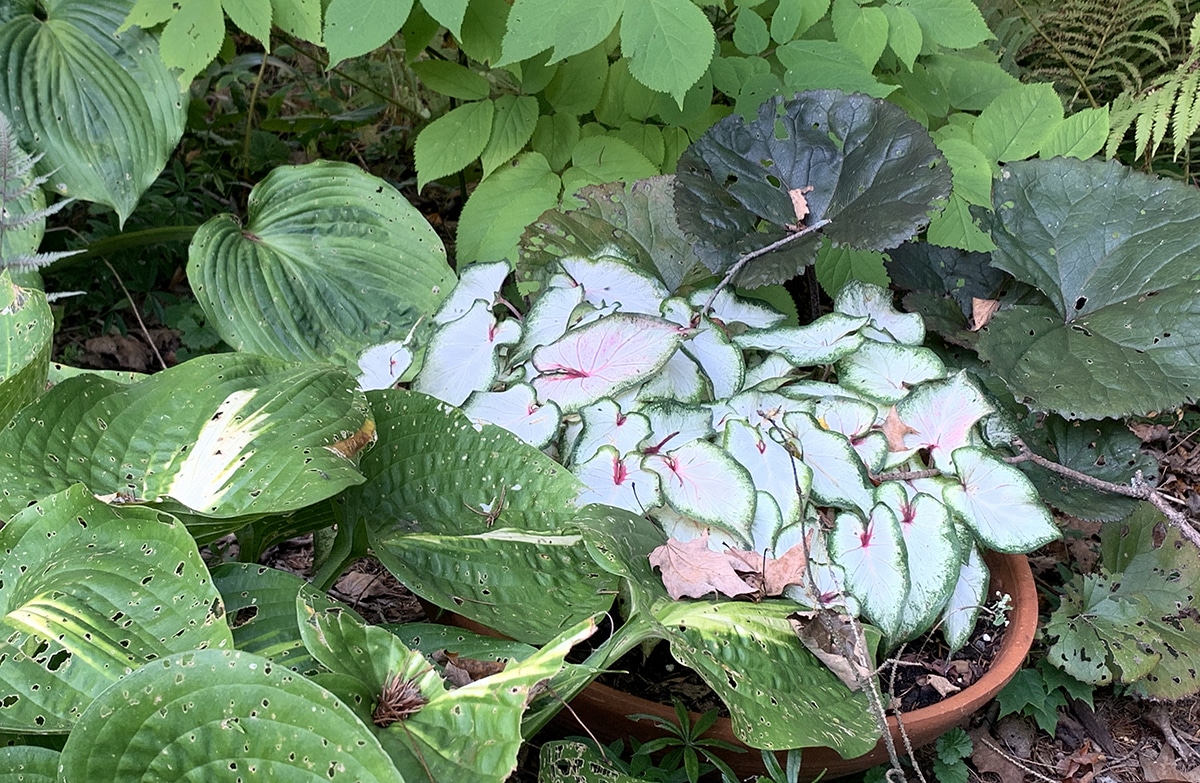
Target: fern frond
{"points": [[30, 262]]}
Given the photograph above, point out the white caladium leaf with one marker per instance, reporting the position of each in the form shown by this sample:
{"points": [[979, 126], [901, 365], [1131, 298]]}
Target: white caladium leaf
{"points": [[824, 341], [620, 481], [773, 367], [766, 527], [678, 311], [679, 379], [759, 408], [517, 410], [872, 449], [477, 281], [613, 281], [548, 319], [607, 356], [818, 390], [729, 308], [605, 425], [942, 416], [673, 424], [886, 371], [962, 610], [998, 502], [702, 481], [934, 553], [720, 359], [381, 366], [874, 562], [683, 529], [887, 324], [846, 415], [461, 357], [771, 467], [839, 476], [828, 583]]}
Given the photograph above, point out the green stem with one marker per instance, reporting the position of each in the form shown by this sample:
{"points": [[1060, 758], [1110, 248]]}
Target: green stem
{"points": [[130, 241]]}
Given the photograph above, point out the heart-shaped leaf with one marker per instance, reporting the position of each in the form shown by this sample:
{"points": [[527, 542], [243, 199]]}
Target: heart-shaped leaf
{"points": [[998, 502], [517, 410], [941, 417], [621, 481], [886, 371], [933, 554], [874, 559], [969, 594], [608, 281], [28, 764], [330, 260], [477, 281], [605, 424], [701, 480], [887, 324], [463, 355], [831, 337], [839, 477], [771, 467]]}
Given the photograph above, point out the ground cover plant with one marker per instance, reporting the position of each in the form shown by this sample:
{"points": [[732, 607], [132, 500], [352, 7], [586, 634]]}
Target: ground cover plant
{"points": [[566, 412]]}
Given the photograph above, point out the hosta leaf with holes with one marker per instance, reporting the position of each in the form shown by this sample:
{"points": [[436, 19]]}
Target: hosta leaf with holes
{"points": [[330, 260], [473, 520], [969, 594], [217, 438], [100, 104], [874, 173], [1116, 252], [28, 764], [517, 410], [26, 335], [703, 481], [89, 592], [565, 761], [222, 716], [605, 357], [260, 607], [463, 354], [824, 341], [998, 502], [875, 562], [886, 371], [619, 480]]}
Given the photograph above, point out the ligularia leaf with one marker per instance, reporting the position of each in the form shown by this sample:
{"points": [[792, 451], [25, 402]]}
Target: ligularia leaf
{"points": [[998, 502], [461, 357]]}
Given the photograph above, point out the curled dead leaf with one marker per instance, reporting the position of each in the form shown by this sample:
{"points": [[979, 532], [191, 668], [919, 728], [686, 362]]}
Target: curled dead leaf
{"points": [[838, 642], [692, 570], [982, 311], [894, 430], [799, 202], [348, 447]]}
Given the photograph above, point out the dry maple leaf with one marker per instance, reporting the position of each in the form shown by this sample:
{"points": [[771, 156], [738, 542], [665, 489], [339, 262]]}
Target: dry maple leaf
{"points": [[692, 570], [894, 430], [773, 575]]}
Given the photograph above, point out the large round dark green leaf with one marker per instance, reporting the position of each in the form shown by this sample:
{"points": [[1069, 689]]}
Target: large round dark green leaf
{"points": [[222, 716], [1118, 255], [88, 592], [100, 104], [861, 163], [330, 260]]}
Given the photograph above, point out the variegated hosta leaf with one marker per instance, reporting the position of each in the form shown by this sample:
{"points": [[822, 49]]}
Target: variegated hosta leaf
{"points": [[998, 502], [329, 262], [721, 360], [874, 560], [970, 592], [26, 334], [887, 324], [605, 424], [100, 104], [477, 281], [89, 592], [621, 481], [702, 481], [610, 281], [942, 416], [886, 371], [517, 410], [772, 469], [605, 357], [216, 438], [824, 341], [462, 356], [839, 477]]}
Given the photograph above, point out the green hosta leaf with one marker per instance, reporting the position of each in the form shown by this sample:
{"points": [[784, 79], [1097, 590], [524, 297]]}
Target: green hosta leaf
{"points": [[599, 159], [955, 24], [222, 716], [564, 761], [28, 764], [451, 79], [1016, 124], [669, 44], [1081, 135], [100, 104], [89, 592], [355, 27], [255, 436], [1115, 342], [499, 210], [875, 562], [886, 371], [512, 126], [453, 140], [998, 503], [824, 341], [862, 29], [26, 335], [269, 286], [703, 481]]}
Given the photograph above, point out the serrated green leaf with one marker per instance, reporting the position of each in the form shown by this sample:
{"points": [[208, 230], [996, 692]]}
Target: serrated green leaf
{"points": [[512, 127], [452, 141], [1016, 124], [252, 17], [823, 65], [972, 170], [956, 227], [355, 27], [970, 84], [669, 44], [904, 36], [448, 13], [1081, 135], [750, 34], [578, 83], [301, 18], [537, 25], [624, 97], [451, 79], [501, 207], [483, 27], [955, 24], [646, 139], [554, 136], [599, 159], [192, 38], [861, 28]]}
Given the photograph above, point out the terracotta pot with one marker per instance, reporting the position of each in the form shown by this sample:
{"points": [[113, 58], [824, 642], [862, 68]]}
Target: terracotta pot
{"points": [[603, 709]]}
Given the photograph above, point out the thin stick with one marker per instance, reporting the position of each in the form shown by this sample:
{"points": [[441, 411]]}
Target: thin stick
{"points": [[753, 254], [137, 315]]}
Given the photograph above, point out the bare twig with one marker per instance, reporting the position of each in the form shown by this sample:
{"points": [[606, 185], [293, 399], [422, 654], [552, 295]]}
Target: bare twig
{"points": [[136, 314], [740, 264]]}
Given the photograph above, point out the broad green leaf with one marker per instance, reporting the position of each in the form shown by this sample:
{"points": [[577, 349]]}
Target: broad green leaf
{"points": [[824, 65], [269, 286], [554, 136], [483, 27], [824, 341], [451, 79], [904, 35], [1081, 135], [452, 141], [998, 503], [1121, 336], [955, 24], [602, 358], [750, 34], [255, 436], [578, 82], [886, 371], [786, 21], [624, 98], [26, 337], [252, 17], [703, 481], [517, 410], [669, 44], [1016, 124], [600, 159], [499, 210], [192, 38], [301, 18], [1096, 632], [970, 84], [837, 266], [513, 124], [956, 227], [89, 592], [222, 716], [355, 27], [537, 25], [646, 139], [971, 168], [28, 764], [102, 105], [448, 13], [861, 28], [875, 562], [462, 356]]}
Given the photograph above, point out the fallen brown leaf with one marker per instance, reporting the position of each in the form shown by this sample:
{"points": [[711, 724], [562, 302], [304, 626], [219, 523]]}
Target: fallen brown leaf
{"points": [[982, 311], [799, 202], [838, 642], [1165, 769], [692, 570], [987, 758], [773, 575], [894, 430]]}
